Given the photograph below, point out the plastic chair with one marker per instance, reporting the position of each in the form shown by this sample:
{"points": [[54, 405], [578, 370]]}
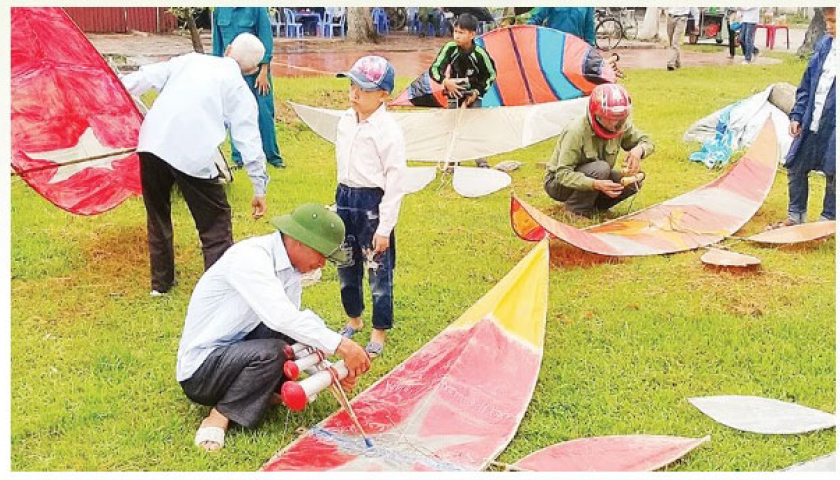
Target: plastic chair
{"points": [[380, 21], [333, 18], [277, 25], [412, 19], [292, 25]]}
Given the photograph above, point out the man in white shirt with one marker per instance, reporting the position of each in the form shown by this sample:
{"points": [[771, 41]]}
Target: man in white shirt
{"points": [[245, 309], [677, 20], [199, 96]]}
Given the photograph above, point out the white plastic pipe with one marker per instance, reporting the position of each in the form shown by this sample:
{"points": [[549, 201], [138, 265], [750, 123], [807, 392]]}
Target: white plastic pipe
{"points": [[295, 394]]}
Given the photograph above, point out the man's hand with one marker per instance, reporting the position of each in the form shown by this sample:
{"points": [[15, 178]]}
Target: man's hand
{"points": [[608, 187], [795, 129], [259, 207], [262, 80], [355, 358], [381, 243], [453, 87], [348, 384], [472, 98], [633, 161]]}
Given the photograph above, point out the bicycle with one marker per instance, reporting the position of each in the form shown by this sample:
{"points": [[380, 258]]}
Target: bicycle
{"points": [[608, 30], [629, 23]]}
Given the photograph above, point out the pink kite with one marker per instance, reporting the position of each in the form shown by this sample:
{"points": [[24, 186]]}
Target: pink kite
{"points": [[620, 453], [453, 405], [73, 123], [696, 219]]}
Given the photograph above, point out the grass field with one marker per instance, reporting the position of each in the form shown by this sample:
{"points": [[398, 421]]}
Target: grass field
{"points": [[93, 356]]}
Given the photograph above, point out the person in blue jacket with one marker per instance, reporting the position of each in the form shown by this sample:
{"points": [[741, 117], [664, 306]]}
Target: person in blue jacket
{"points": [[228, 22], [812, 124], [579, 21]]}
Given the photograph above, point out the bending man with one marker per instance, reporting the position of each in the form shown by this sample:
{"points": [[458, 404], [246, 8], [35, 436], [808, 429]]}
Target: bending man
{"points": [[199, 94]]}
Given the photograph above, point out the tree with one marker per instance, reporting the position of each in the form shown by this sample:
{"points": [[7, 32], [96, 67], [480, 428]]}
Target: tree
{"points": [[187, 15], [816, 29], [360, 25], [650, 25]]}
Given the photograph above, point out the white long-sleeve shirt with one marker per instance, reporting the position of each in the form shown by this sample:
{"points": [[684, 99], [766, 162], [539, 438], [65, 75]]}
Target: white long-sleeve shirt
{"points": [[750, 14], [253, 282], [679, 11], [827, 77], [371, 154], [199, 96]]}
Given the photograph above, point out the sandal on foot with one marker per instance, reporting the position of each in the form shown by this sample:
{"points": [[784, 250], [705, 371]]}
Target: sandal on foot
{"points": [[347, 331], [374, 349], [210, 434], [777, 225]]}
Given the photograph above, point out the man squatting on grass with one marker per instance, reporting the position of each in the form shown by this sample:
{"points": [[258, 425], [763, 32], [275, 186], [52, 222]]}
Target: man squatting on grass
{"points": [[245, 309], [371, 164], [581, 171], [179, 137]]}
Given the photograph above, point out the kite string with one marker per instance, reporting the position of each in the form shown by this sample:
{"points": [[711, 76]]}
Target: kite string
{"points": [[444, 163]]}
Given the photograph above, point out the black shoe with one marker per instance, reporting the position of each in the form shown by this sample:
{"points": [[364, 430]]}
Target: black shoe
{"points": [[670, 67], [278, 165]]}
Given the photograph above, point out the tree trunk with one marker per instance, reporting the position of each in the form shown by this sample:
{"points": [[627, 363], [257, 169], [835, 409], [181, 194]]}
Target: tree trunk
{"points": [[650, 25], [360, 25], [194, 35], [816, 29]]}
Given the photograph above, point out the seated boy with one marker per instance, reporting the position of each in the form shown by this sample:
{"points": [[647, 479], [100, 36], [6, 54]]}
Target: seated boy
{"points": [[464, 68]]}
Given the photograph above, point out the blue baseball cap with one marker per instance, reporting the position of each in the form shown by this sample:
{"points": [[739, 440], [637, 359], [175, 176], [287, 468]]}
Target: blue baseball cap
{"points": [[371, 73]]}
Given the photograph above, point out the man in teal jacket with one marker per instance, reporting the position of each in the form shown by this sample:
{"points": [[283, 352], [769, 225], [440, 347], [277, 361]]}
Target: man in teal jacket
{"points": [[579, 21], [228, 22]]}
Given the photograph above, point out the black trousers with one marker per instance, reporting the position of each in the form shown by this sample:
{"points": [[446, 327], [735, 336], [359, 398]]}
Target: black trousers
{"points": [[208, 205], [239, 380]]}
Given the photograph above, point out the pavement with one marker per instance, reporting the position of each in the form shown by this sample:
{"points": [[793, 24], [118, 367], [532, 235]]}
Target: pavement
{"points": [[410, 55]]}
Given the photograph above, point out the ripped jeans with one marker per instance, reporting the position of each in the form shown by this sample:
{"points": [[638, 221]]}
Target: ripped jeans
{"points": [[359, 209]]}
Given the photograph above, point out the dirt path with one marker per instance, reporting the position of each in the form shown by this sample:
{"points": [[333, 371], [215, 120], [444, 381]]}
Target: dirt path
{"points": [[409, 54]]}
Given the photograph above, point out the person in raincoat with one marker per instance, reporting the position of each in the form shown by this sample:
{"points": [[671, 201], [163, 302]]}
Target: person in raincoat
{"points": [[228, 22]]}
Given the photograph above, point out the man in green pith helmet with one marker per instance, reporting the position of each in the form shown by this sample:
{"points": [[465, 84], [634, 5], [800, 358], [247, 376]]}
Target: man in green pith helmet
{"points": [[245, 309]]}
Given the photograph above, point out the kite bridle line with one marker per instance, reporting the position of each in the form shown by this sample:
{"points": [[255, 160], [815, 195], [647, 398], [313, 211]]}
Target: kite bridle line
{"points": [[446, 162]]}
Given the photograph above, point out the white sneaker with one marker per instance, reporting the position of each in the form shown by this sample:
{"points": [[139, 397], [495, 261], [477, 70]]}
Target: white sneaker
{"points": [[155, 294]]}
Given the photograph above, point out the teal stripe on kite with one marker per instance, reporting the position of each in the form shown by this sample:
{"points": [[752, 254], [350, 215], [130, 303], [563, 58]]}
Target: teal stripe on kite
{"points": [[491, 97], [551, 45]]}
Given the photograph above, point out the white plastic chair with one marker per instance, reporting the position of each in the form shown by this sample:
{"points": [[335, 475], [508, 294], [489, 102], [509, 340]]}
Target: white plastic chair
{"points": [[277, 24], [334, 17], [292, 25]]}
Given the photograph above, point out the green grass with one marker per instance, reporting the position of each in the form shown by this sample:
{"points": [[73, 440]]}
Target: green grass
{"points": [[93, 357]]}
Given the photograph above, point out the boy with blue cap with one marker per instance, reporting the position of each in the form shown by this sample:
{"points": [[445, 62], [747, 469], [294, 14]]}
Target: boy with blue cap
{"points": [[370, 152]]}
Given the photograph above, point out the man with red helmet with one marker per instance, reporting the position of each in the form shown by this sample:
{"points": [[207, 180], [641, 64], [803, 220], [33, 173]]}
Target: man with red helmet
{"points": [[582, 171]]}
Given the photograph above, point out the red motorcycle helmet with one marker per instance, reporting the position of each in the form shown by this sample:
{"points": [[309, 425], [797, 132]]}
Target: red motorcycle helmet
{"points": [[609, 109]]}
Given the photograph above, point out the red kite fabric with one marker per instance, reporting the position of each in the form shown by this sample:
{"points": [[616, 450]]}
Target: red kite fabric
{"points": [[67, 105], [533, 65], [454, 404], [692, 220]]}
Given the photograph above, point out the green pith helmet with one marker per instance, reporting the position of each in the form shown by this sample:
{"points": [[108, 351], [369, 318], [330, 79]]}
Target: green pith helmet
{"points": [[317, 228]]}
